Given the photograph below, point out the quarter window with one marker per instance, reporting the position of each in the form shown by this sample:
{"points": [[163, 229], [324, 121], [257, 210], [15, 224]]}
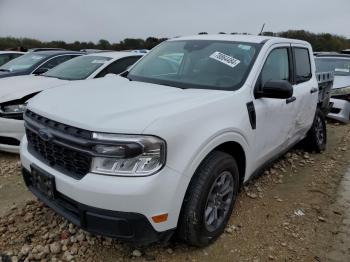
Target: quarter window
{"points": [[276, 66], [118, 66], [302, 65]]}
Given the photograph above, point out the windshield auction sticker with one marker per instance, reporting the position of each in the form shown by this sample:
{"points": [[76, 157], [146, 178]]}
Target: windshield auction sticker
{"points": [[226, 59]]}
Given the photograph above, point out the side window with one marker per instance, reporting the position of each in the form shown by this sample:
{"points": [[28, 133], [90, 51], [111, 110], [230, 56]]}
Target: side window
{"points": [[56, 61], [118, 66], [302, 65], [13, 56], [4, 58], [276, 66]]}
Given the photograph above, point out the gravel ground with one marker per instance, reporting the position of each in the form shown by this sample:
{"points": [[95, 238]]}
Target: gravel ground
{"points": [[295, 211]]}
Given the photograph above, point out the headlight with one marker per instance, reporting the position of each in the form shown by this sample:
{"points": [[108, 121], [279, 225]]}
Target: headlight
{"points": [[13, 111], [128, 155], [340, 91]]}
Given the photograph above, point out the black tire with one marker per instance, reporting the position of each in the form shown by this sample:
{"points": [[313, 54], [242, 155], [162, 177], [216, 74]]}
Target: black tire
{"points": [[316, 138], [194, 227]]}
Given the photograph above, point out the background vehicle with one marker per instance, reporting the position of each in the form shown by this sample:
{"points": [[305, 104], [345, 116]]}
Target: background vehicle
{"points": [[36, 63], [15, 91], [45, 49], [6, 56], [168, 145], [340, 93]]}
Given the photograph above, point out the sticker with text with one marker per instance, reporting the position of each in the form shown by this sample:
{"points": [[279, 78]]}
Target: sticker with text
{"points": [[226, 59], [98, 61], [343, 70], [244, 47], [36, 57]]}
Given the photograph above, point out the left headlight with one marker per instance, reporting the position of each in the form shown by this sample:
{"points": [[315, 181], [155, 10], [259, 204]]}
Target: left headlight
{"points": [[14, 111], [128, 155], [340, 91]]}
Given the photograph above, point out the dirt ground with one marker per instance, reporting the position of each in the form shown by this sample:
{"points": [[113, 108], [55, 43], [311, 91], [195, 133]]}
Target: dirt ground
{"points": [[298, 210]]}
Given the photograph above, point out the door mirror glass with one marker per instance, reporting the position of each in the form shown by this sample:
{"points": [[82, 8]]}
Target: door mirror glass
{"points": [[281, 89]]}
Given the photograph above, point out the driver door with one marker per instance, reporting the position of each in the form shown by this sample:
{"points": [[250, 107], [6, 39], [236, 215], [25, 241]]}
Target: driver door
{"points": [[274, 117]]}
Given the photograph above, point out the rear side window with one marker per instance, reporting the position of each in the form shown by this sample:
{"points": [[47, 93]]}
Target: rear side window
{"points": [[302, 65]]}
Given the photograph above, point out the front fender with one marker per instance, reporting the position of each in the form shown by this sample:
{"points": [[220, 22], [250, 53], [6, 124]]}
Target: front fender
{"points": [[213, 142]]}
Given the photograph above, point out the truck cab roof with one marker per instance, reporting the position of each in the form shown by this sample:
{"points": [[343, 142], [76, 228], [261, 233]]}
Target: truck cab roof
{"points": [[241, 38]]}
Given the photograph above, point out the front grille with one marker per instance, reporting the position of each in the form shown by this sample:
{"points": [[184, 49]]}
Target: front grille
{"points": [[72, 160], [58, 126]]}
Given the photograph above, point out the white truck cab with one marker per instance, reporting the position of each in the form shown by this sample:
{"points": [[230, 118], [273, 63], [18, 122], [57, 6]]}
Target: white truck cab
{"points": [[167, 146]]}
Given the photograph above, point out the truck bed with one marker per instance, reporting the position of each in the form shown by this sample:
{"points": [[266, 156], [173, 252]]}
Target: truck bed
{"points": [[325, 83]]}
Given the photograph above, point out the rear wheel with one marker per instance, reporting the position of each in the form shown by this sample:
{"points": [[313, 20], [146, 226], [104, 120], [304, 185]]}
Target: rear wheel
{"points": [[316, 138], [209, 200]]}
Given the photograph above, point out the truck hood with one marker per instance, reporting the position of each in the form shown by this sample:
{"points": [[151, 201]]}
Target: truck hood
{"points": [[13, 88], [117, 105], [341, 82]]}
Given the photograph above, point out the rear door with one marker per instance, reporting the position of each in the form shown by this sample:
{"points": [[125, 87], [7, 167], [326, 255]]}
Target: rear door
{"points": [[305, 91]]}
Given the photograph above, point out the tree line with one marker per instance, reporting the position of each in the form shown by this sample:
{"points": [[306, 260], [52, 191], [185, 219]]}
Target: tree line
{"points": [[320, 42]]}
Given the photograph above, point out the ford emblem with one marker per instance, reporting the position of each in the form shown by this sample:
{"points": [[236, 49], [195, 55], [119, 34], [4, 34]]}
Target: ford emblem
{"points": [[45, 135]]}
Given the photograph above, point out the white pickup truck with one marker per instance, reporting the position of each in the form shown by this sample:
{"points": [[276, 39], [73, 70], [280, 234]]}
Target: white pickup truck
{"points": [[166, 147]]}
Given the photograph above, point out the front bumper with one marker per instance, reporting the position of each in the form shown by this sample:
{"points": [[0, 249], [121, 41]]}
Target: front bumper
{"points": [[118, 198], [122, 225], [11, 133], [340, 110]]}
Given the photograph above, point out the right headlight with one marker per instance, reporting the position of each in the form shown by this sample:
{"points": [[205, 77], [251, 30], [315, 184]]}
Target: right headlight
{"points": [[128, 155]]}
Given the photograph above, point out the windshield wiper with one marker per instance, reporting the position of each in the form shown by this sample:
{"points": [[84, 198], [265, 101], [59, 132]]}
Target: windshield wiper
{"points": [[4, 70]]}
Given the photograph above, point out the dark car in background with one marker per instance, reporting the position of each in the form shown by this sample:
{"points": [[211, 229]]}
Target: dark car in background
{"points": [[6, 56], [36, 62]]}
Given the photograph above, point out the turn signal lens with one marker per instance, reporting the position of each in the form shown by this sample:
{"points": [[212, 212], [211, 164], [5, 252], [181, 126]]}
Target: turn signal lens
{"points": [[160, 218]]}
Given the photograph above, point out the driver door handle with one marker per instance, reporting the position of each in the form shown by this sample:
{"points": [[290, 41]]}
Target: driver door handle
{"points": [[314, 90], [291, 99]]}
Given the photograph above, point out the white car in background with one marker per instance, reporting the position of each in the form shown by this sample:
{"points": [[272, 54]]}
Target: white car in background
{"points": [[340, 93], [15, 91], [6, 56]]}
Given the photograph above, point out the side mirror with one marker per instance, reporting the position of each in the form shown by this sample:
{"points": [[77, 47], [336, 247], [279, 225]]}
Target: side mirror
{"points": [[280, 89], [41, 70]]}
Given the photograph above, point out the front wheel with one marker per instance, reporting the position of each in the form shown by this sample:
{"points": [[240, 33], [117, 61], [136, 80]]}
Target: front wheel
{"points": [[209, 200], [316, 138]]}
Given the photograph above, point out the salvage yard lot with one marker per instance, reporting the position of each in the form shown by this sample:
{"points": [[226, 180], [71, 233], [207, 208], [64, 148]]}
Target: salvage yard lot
{"points": [[291, 213]]}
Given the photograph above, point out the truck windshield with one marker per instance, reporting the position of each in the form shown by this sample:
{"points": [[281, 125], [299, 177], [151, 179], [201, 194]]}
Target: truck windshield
{"points": [[340, 66], [24, 62], [77, 68], [202, 64]]}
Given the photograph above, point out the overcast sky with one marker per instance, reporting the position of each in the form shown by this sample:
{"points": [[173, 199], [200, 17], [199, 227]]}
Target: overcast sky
{"points": [[114, 20]]}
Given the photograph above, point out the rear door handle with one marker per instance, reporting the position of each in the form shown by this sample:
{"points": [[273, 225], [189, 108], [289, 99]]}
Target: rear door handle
{"points": [[314, 90], [291, 99]]}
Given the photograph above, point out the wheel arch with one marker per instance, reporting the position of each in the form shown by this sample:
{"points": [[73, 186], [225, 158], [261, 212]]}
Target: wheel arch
{"points": [[231, 147], [237, 152]]}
